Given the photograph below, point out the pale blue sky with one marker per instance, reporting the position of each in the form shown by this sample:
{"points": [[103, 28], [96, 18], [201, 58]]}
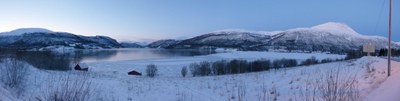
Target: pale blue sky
{"points": [[138, 20]]}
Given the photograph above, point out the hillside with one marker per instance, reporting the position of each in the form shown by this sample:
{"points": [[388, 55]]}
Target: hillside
{"points": [[330, 37], [37, 38]]}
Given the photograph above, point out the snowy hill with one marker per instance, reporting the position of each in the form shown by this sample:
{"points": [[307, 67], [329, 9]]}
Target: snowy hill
{"points": [[130, 45], [335, 28], [36, 38], [23, 31], [326, 37], [331, 36], [163, 43], [224, 39]]}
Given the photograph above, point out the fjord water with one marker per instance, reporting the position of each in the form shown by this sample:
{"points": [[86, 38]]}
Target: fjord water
{"points": [[65, 60]]}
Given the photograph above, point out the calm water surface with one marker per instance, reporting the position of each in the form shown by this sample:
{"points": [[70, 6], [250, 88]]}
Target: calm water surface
{"points": [[51, 60]]}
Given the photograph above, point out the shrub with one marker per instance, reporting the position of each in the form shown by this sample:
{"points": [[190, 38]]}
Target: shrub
{"points": [[219, 67], [244, 66], [69, 88], [353, 54], [236, 66], [205, 68], [260, 65], [194, 69], [233, 66], [289, 62], [151, 70], [336, 86], [13, 74], [201, 69], [184, 71], [277, 64], [327, 60], [310, 61]]}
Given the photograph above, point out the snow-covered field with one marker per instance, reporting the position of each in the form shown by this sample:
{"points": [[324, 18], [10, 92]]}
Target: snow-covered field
{"points": [[109, 80]]}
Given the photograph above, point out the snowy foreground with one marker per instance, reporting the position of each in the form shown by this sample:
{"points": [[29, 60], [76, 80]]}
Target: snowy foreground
{"points": [[360, 79]]}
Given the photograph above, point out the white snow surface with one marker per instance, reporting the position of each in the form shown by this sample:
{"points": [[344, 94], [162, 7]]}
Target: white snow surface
{"points": [[111, 82], [6, 95], [388, 90], [246, 31], [24, 30], [335, 26]]}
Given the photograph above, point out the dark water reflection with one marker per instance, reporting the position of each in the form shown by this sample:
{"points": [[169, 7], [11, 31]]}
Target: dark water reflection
{"points": [[51, 60]]}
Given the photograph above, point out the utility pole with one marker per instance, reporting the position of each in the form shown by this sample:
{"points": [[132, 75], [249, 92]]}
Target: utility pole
{"points": [[390, 36]]}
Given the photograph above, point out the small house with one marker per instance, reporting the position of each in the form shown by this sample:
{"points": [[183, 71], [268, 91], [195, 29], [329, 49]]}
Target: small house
{"points": [[134, 73], [77, 67]]}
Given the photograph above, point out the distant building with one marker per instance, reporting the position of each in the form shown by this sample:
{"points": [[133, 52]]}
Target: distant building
{"points": [[134, 73]]}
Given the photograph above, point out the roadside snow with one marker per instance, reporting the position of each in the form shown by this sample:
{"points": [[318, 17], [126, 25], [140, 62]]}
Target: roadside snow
{"points": [[388, 90]]}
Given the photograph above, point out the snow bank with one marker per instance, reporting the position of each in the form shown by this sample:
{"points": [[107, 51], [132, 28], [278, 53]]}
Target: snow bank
{"points": [[389, 90]]}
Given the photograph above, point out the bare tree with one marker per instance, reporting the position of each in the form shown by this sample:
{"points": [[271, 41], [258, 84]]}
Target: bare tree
{"points": [[69, 88], [14, 74], [151, 70], [241, 92], [184, 71], [336, 86]]}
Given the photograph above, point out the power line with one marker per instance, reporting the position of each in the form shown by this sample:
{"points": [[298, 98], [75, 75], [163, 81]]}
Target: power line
{"points": [[379, 16]]}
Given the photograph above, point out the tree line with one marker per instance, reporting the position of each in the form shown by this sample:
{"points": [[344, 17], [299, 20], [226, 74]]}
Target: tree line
{"points": [[236, 66]]}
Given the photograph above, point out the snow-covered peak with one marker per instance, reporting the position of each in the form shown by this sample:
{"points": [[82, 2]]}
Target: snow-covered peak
{"points": [[398, 43], [25, 30], [142, 43], [336, 27], [232, 31]]}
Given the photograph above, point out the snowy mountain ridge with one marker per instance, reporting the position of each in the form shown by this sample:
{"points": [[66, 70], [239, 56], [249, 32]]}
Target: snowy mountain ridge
{"points": [[331, 36], [227, 31], [25, 30], [335, 26], [43, 39]]}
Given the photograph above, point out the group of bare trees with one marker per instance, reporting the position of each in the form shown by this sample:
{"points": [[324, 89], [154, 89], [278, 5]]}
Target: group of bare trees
{"points": [[332, 85], [237, 66], [13, 74], [151, 70], [68, 87]]}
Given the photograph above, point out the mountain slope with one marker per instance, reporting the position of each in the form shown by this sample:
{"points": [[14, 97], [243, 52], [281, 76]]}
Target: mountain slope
{"points": [[224, 39], [18, 39], [130, 45], [326, 37], [331, 36], [23, 31], [163, 43]]}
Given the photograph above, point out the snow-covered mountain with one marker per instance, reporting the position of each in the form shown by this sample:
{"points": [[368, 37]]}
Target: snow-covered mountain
{"points": [[224, 39], [331, 36], [38, 38], [163, 43], [24, 30], [131, 45]]}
